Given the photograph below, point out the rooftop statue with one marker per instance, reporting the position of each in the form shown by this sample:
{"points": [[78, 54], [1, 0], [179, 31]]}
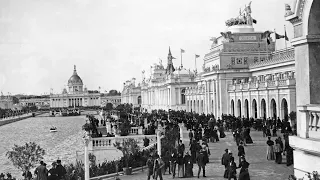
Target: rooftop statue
{"points": [[243, 18]]}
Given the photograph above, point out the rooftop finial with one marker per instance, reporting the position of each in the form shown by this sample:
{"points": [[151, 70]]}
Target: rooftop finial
{"points": [[169, 51], [74, 67]]}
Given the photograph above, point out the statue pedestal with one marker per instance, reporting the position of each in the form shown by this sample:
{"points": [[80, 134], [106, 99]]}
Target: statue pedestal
{"points": [[108, 127], [242, 28]]}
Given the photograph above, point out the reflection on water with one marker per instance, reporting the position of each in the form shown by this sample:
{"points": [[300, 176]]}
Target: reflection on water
{"points": [[63, 144]]}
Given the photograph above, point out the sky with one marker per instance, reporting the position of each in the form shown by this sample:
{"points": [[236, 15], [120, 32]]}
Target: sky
{"points": [[111, 41]]}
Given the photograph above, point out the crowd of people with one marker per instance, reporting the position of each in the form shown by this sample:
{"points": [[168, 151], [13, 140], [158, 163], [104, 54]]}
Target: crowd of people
{"points": [[204, 129]]}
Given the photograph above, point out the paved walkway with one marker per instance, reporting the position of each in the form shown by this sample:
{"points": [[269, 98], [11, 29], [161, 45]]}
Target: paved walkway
{"points": [[259, 169]]}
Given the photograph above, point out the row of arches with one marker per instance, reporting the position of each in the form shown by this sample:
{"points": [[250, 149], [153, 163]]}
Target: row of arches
{"points": [[263, 109], [195, 106]]}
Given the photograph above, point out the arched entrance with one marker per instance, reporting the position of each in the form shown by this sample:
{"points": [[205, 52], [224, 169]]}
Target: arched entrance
{"points": [[239, 107], [139, 99], [254, 109], [284, 109], [232, 107], [263, 109], [273, 108], [246, 108]]}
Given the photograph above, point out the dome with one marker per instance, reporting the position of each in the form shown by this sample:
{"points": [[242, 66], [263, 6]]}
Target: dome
{"points": [[75, 79]]}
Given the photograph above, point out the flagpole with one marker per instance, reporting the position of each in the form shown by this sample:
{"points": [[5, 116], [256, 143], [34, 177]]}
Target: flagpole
{"points": [[181, 57], [285, 38], [195, 62], [267, 50], [275, 40]]}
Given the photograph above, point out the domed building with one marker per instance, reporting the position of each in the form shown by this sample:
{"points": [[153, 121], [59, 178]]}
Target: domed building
{"points": [[75, 95]]}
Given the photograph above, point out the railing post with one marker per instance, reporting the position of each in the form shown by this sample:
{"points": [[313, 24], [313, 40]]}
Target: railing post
{"points": [[303, 117]]}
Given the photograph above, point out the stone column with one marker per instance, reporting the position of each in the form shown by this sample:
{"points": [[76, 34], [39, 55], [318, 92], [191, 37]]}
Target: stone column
{"points": [[159, 142], [86, 156], [108, 127]]}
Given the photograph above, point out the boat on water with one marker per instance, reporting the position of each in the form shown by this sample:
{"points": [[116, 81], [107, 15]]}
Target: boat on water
{"points": [[53, 129]]}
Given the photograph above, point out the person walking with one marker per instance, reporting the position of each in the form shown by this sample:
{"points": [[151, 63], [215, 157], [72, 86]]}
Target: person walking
{"points": [[157, 167], [244, 171], [180, 163], [150, 167], [232, 169], [225, 161], [173, 162], [241, 151], [41, 172], [188, 165], [202, 161], [270, 153], [278, 151]]}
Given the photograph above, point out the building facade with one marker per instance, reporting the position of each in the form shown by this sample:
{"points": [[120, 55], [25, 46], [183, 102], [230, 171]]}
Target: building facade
{"points": [[6, 102], [76, 95], [305, 18], [114, 100], [131, 93], [244, 76], [164, 89]]}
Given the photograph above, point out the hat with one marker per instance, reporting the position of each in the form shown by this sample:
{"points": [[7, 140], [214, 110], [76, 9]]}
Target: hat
{"points": [[58, 161], [1, 175], [226, 150], [54, 163]]}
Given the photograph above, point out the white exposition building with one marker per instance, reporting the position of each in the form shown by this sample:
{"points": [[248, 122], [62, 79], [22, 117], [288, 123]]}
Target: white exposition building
{"points": [[242, 75]]}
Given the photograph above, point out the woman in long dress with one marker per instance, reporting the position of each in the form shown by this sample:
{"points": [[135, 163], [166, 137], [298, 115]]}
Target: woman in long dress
{"points": [[188, 165], [248, 137], [180, 165], [270, 153]]}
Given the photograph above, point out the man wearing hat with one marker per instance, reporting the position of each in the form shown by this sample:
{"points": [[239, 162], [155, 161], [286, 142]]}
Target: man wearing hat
{"points": [[1, 176], [61, 171], [53, 172], [225, 161], [41, 171]]}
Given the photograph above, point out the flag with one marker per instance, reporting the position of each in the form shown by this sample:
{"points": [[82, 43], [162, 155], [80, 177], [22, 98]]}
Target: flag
{"points": [[182, 51], [278, 36], [266, 35], [285, 35], [173, 57], [197, 56]]}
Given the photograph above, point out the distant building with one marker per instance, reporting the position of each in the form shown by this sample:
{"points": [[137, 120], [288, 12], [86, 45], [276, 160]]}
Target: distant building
{"points": [[76, 95], [34, 100], [115, 100], [131, 93], [6, 102]]}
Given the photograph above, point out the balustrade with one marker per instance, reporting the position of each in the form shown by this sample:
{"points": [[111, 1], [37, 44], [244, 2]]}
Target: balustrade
{"points": [[282, 83], [262, 85], [253, 85], [108, 142], [310, 125], [271, 83], [245, 86], [237, 86]]}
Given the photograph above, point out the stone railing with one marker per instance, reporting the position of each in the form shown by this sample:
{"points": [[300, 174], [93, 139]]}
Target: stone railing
{"points": [[310, 125], [108, 142], [276, 57], [136, 131], [262, 84]]}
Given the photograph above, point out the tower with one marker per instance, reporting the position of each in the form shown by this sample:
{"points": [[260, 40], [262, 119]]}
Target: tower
{"points": [[170, 69]]}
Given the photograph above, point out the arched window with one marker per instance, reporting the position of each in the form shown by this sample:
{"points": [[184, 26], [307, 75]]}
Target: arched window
{"points": [[183, 96], [139, 99]]}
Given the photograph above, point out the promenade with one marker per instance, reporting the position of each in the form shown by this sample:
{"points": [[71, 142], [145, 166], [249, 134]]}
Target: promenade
{"points": [[259, 169]]}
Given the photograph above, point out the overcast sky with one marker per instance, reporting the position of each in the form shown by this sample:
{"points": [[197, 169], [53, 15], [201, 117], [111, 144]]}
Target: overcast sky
{"points": [[111, 41]]}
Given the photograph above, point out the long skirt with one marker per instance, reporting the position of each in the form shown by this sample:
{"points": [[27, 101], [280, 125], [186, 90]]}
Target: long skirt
{"points": [[270, 153], [278, 157], [244, 175], [181, 170], [222, 134], [249, 139], [189, 171]]}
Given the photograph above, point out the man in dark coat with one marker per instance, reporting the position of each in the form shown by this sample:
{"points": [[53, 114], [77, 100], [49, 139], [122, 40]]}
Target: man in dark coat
{"points": [[232, 169], [173, 164], [224, 161], [241, 151], [201, 159], [244, 172], [61, 171], [150, 167]]}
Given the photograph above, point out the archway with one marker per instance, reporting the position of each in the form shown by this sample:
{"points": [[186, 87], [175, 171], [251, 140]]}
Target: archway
{"points": [[284, 109], [254, 109], [273, 108], [239, 107], [246, 108], [263, 108], [232, 107]]}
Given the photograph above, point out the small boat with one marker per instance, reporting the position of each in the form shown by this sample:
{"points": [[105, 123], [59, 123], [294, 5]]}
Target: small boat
{"points": [[53, 129]]}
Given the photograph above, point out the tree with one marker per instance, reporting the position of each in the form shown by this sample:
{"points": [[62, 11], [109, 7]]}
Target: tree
{"points": [[26, 156], [172, 135], [127, 147], [15, 100], [109, 106]]}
